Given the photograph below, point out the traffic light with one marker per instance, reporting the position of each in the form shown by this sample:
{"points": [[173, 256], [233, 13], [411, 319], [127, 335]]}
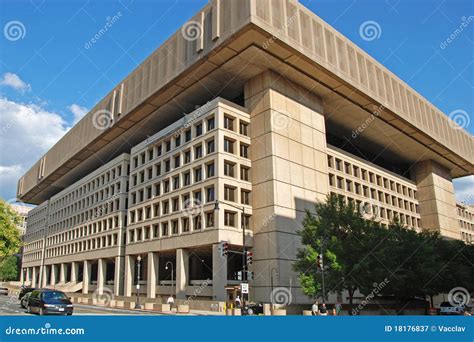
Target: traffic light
{"points": [[224, 248], [249, 258], [319, 262]]}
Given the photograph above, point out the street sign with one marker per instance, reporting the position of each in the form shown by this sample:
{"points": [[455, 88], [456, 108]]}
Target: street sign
{"points": [[244, 288]]}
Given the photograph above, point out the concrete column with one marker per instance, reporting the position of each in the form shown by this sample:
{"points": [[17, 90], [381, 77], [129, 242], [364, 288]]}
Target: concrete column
{"points": [[219, 272], [129, 275], [182, 271], [436, 199], [33, 277], [74, 269], [52, 280], [101, 269], [86, 274], [119, 275], [62, 273], [44, 277], [152, 274], [25, 275]]}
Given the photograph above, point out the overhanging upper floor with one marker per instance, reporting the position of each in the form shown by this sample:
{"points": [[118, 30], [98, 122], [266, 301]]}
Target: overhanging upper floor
{"points": [[237, 40]]}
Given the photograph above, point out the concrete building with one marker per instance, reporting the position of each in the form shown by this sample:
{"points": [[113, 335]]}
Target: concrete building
{"points": [[22, 211], [282, 110]]}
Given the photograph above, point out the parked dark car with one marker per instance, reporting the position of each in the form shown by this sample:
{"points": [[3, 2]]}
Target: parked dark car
{"points": [[24, 300], [252, 309], [45, 302], [24, 290], [3, 291]]}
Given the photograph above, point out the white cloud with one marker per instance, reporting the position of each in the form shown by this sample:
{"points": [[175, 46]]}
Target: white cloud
{"points": [[14, 81], [27, 131], [78, 112], [464, 189]]}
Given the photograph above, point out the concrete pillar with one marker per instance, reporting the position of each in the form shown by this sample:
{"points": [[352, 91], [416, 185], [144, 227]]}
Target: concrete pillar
{"points": [[119, 275], [44, 277], [25, 275], [152, 274], [33, 277], [86, 274], [129, 275], [101, 274], [219, 274], [74, 269], [52, 280], [182, 271], [62, 273], [436, 199]]}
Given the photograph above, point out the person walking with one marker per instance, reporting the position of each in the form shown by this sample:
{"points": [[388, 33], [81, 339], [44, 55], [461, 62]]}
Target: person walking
{"points": [[238, 302], [170, 301], [315, 308], [323, 311]]}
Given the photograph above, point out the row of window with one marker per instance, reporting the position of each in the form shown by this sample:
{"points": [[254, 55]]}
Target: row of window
{"points": [[377, 195], [196, 130], [105, 241], [89, 187], [83, 231], [386, 214], [370, 177], [178, 160], [183, 225]]}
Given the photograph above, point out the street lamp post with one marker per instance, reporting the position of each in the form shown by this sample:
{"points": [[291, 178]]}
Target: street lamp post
{"points": [[244, 247], [137, 305], [172, 274], [271, 280], [322, 271]]}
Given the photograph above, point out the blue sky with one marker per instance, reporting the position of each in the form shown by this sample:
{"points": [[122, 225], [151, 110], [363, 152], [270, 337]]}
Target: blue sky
{"points": [[50, 77]]}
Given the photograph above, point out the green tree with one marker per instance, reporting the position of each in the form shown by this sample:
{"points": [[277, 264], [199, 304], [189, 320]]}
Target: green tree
{"points": [[10, 241], [348, 241], [9, 268]]}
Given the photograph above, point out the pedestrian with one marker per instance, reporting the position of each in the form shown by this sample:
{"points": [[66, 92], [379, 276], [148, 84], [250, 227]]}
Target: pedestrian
{"points": [[323, 311], [170, 301], [238, 302], [338, 308], [314, 308]]}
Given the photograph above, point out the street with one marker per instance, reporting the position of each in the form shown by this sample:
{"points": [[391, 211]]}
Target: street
{"points": [[10, 306]]}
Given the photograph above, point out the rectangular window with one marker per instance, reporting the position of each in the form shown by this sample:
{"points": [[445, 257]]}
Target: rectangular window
{"points": [[245, 197], [187, 178], [177, 161], [167, 165], [244, 128], [187, 156], [175, 204], [210, 170], [164, 229], [210, 146], [228, 123], [244, 173], [174, 227], [197, 222], [229, 218], [211, 123], [244, 150], [197, 151], [198, 129], [197, 174], [210, 219], [228, 145], [229, 168], [187, 135], [177, 141], [175, 182], [210, 196], [185, 224], [229, 193], [168, 145]]}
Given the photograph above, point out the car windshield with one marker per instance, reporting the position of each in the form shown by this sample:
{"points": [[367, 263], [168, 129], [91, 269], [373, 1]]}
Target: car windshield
{"points": [[54, 295]]}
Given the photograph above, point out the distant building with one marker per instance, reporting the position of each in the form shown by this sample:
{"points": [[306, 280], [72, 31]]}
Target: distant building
{"points": [[22, 211]]}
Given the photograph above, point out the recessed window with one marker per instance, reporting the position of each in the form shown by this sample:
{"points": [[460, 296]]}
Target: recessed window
{"points": [[244, 150], [210, 196], [229, 193], [244, 173], [245, 197], [211, 123], [210, 170], [198, 152], [210, 146], [198, 129], [187, 135], [229, 218], [228, 145], [228, 122], [244, 128], [229, 168]]}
